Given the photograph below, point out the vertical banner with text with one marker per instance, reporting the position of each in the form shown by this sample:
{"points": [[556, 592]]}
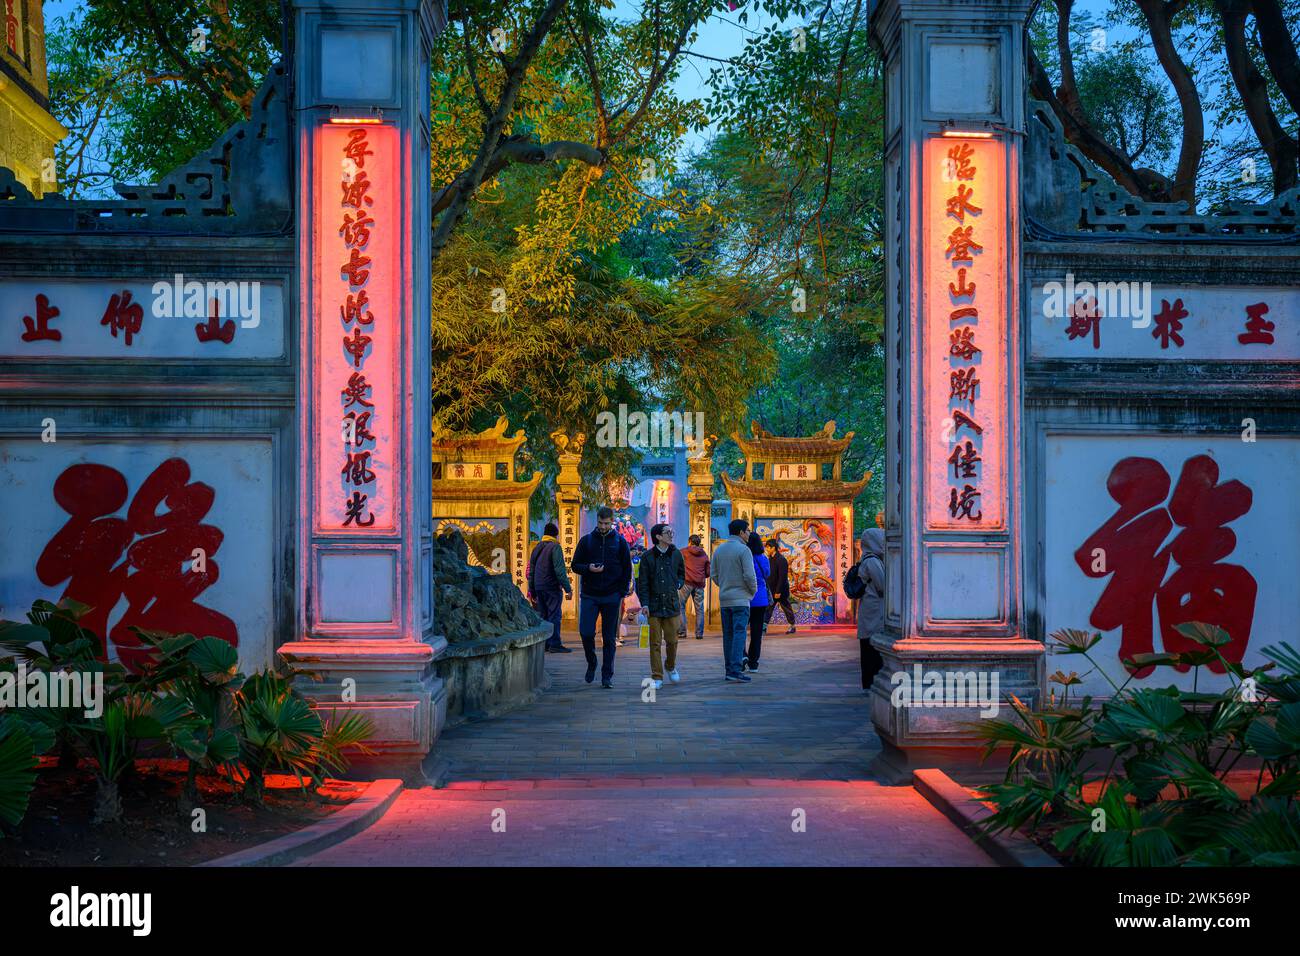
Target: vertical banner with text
{"points": [[359, 328], [965, 334]]}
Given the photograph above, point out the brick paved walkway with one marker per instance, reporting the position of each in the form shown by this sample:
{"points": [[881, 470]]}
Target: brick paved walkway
{"points": [[709, 773]]}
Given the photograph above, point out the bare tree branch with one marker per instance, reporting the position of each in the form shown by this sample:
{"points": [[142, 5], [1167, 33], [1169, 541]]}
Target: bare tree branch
{"points": [[1279, 146], [1159, 15]]}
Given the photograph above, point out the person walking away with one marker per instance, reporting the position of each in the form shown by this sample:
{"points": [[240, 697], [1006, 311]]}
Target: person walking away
{"points": [[733, 573], [659, 582], [697, 582], [758, 604], [778, 583], [604, 563], [548, 583], [871, 606]]}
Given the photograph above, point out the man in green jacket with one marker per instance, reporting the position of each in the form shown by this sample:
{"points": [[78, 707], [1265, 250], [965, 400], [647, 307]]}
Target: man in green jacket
{"points": [[659, 580]]}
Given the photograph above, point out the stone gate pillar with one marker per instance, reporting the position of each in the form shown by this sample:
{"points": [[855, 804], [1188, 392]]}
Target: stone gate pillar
{"points": [[568, 510], [699, 502], [363, 587], [955, 121]]}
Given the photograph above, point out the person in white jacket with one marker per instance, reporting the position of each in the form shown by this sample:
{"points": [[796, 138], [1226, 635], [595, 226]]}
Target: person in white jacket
{"points": [[733, 572]]}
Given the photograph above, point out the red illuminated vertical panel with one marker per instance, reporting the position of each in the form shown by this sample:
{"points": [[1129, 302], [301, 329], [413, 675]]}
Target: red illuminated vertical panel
{"points": [[964, 334], [357, 218]]}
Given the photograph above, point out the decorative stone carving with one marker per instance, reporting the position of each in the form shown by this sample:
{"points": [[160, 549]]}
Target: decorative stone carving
{"points": [[241, 186], [1066, 195]]}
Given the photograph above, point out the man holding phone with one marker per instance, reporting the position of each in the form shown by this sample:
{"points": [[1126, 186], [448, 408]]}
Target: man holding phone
{"points": [[604, 562]]}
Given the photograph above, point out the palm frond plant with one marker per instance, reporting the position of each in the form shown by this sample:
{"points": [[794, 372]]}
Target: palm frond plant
{"points": [[196, 680], [113, 740], [19, 745], [279, 732], [53, 640], [1164, 797]]}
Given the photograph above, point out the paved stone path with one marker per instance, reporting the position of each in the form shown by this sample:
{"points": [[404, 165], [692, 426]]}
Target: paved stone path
{"points": [[774, 772]]}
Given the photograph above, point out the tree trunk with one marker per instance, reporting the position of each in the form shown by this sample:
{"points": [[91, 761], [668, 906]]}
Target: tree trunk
{"points": [[1159, 17], [67, 756], [493, 129], [1280, 147], [1081, 135], [108, 802], [189, 795], [1279, 51]]}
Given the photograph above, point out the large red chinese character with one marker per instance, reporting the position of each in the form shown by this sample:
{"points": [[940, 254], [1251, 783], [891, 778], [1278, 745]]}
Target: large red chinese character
{"points": [[213, 329], [40, 329], [123, 314], [959, 164], [961, 288], [356, 232], [962, 246], [162, 590], [355, 191], [356, 346], [356, 150], [356, 269], [1169, 322], [960, 204], [1259, 331], [354, 310], [1127, 547], [1085, 318]]}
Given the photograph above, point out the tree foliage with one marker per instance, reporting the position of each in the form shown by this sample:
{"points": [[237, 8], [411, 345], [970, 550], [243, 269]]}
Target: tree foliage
{"points": [[1149, 67]]}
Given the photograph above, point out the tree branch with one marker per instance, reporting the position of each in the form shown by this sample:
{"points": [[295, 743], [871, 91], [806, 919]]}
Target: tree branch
{"points": [[519, 149], [1159, 16], [465, 185], [1279, 50], [1279, 146], [1081, 134]]}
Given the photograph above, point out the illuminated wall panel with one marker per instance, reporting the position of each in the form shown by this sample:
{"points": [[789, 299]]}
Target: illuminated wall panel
{"points": [[358, 325], [964, 335]]}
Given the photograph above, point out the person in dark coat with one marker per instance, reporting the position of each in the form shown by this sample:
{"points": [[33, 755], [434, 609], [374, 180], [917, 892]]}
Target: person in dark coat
{"points": [[758, 604], [871, 608], [778, 583], [604, 562], [548, 583], [659, 580]]}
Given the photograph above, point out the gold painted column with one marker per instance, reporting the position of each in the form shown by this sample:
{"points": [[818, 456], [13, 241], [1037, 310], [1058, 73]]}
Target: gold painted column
{"points": [[699, 500], [568, 508]]}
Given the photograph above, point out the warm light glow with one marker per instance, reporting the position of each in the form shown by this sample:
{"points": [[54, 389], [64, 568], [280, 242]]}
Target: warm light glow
{"points": [[357, 219], [964, 332], [959, 134], [354, 120]]}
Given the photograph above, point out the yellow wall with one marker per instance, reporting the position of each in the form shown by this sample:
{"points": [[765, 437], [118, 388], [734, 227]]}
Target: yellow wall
{"points": [[27, 131]]}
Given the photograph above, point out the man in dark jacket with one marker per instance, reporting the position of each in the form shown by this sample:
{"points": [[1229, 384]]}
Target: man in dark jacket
{"points": [[548, 581], [778, 583], [604, 562], [659, 581]]}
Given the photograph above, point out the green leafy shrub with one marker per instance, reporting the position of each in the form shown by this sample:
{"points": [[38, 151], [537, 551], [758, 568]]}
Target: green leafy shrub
{"points": [[188, 696], [279, 732], [1163, 798]]}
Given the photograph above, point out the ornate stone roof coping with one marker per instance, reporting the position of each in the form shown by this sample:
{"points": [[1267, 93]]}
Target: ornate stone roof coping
{"points": [[765, 445]]}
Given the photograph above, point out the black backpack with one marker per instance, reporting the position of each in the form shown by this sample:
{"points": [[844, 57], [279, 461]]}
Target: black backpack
{"points": [[854, 586]]}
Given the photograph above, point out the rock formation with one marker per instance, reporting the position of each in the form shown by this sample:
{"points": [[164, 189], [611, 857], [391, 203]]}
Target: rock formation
{"points": [[470, 603]]}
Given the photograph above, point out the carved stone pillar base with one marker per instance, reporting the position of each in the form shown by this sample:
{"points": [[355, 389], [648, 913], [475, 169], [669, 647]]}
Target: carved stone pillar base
{"points": [[917, 734], [392, 683]]}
